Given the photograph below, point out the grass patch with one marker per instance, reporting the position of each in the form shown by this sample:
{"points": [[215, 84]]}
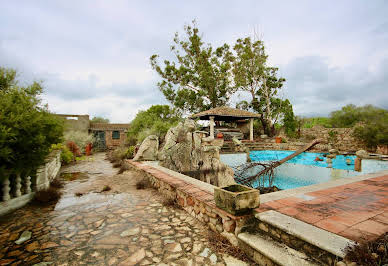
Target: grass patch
{"points": [[222, 245], [117, 164], [143, 183], [57, 183], [106, 188], [372, 253], [50, 195], [124, 167], [169, 202]]}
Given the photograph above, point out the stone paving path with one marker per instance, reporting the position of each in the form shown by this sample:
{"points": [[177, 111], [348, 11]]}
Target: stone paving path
{"points": [[123, 226]]}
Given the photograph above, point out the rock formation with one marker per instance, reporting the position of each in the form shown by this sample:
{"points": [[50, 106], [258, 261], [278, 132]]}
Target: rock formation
{"points": [[189, 152], [148, 150]]}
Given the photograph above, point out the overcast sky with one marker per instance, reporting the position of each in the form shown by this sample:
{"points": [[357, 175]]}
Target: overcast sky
{"points": [[93, 56]]}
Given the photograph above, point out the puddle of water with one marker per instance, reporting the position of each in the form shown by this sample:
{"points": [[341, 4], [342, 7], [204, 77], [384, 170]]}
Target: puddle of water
{"points": [[94, 200], [74, 176]]}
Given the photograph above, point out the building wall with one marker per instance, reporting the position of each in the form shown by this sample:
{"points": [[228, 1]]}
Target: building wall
{"points": [[76, 122], [111, 143]]}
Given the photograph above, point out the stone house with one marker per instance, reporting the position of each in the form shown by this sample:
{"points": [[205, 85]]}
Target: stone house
{"points": [[107, 135]]}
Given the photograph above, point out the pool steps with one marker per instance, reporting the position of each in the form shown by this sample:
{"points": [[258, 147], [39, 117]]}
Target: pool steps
{"points": [[287, 241]]}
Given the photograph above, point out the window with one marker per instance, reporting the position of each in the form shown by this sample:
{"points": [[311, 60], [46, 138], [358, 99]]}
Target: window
{"points": [[116, 135]]}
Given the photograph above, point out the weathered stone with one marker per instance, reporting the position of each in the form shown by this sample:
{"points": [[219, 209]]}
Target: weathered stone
{"points": [[173, 247], [130, 232], [31, 247], [231, 237], [184, 151], [134, 258], [229, 226], [205, 253], [148, 150], [49, 245], [263, 227], [26, 235]]}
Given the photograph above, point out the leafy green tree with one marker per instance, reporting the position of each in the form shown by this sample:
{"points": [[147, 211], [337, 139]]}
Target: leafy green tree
{"points": [[253, 75], [351, 114], [309, 122], [199, 77], [155, 121], [373, 128], [98, 119], [27, 129]]}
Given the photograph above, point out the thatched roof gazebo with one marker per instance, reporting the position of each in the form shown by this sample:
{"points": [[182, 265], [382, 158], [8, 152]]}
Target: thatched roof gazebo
{"points": [[228, 114]]}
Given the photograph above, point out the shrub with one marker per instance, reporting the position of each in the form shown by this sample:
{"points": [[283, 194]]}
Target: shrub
{"points": [[81, 139], [66, 155], [143, 184], [373, 131], [130, 153], [73, 147], [47, 196], [27, 128], [372, 253]]}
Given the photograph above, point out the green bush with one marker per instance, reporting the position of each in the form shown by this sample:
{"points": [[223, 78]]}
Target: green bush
{"points": [[374, 131], [27, 129], [66, 155], [130, 153], [154, 121]]}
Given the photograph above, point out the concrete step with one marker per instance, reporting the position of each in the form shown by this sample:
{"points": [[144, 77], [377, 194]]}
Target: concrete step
{"points": [[317, 238], [263, 248]]}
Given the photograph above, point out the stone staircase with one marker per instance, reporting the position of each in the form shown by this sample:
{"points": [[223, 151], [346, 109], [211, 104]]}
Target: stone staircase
{"points": [[277, 239]]}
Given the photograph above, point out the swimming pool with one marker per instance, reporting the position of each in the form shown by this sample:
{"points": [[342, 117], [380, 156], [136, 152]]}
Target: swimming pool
{"points": [[303, 170]]}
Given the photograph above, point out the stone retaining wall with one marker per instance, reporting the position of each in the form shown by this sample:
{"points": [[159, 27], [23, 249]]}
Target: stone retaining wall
{"points": [[344, 139], [196, 201]]}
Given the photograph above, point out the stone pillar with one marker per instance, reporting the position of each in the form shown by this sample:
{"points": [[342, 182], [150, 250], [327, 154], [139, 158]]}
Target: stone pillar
{"points": [[18, 186], [357, 164], [28, 184], [211, 126], [251, 129], [6, 189]]}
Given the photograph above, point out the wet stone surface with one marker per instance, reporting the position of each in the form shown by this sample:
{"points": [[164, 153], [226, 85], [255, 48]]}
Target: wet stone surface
{"points": [[123, 226]]}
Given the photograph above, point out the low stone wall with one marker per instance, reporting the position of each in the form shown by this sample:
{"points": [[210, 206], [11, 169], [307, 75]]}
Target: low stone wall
{"points": [[21, 190], [47, 172], [344, 139], [196, 201]]}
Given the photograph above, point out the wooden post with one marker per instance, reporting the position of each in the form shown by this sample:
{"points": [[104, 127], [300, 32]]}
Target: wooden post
{"points": [[211, 126], [251, 129]]}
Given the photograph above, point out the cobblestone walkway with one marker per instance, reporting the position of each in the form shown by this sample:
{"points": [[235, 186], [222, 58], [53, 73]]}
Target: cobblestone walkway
{"points": [[123, 226]]}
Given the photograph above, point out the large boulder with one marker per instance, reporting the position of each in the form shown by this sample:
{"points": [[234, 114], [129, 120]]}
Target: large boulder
{"points": [[148, 150], [189, 152]]}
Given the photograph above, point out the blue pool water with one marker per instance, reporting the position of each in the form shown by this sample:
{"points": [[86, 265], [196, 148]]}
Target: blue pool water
{"points": [[303, 170], [306, 158]]}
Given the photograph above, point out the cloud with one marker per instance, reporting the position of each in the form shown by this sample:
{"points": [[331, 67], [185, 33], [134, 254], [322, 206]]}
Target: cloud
{"points": [[316, 88], [93, 56]]}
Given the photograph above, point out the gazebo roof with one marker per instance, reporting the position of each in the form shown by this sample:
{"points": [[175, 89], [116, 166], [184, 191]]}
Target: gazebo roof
{"points": [[225, 113]]}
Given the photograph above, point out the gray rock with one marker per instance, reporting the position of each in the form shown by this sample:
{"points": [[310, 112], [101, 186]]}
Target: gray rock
{"points": [[26, 235], [187, 152], [148, 150]]}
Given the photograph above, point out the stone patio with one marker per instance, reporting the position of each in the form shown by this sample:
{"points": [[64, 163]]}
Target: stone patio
{"points": [[357, 211]]}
